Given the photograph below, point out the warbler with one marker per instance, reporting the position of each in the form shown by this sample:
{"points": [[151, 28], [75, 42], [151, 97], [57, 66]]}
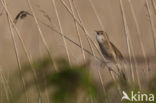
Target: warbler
{"points": [[109, 50]]}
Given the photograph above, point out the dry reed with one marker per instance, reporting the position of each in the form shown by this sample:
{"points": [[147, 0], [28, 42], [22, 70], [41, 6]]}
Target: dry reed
{"points": [[17, 57], [61, 29], [77, 30], [23, 45], [151, 22], [139, 38], [41, 34], [129, 43]]}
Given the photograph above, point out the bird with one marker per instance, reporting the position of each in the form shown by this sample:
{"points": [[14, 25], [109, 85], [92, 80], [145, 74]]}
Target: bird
{"points": [[109, 50], [22, 14]]}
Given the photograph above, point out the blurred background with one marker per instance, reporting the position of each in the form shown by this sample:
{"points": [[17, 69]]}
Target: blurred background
{"points": [[51, 55]]}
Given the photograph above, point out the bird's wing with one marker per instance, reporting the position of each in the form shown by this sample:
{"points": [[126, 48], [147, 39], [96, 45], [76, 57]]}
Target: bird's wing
{"points": [[117, 52], [106, 50]]}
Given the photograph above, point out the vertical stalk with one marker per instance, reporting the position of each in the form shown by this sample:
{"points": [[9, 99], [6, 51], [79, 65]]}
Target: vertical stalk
{"points": [[127, 34], [41, 34], [139, 38], [24, 47], [17, 58], [77, 30], [60, 26], [151, 22]]}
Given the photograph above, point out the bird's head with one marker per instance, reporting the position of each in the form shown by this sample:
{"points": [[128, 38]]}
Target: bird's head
{"points": [[100, 36], [100, 32]]}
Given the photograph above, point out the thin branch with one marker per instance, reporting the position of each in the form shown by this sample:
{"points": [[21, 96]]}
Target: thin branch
{"points": [[79, 21], [154, 5], [81, 25], [127, 34], [139, 38], [17, 57], [77, 30], [151, 22], [129, 43], [23, 45], [42, 35], [60, 26], [136, 68]]}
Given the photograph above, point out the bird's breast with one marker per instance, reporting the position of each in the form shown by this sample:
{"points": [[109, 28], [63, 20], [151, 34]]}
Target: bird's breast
{"points": [[105, 49]]}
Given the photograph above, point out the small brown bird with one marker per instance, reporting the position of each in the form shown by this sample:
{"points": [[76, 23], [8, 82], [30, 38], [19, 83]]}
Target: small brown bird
{"points": [[108, 49], [21, 15]]}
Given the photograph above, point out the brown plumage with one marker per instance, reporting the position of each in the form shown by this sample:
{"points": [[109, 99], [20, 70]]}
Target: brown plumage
{"points": [[21, 15], [108, 49]]}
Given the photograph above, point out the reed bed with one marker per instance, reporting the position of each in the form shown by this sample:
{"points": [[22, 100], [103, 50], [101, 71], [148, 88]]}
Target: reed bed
{"points": [[77, 81]]}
